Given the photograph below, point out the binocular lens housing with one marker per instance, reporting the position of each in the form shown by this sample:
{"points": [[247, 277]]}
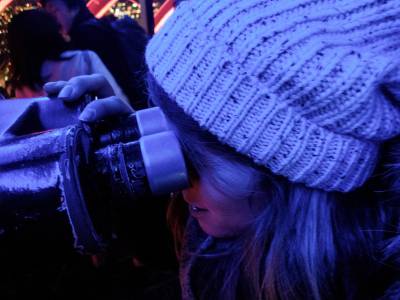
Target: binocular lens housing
{"points": [[93, 172], [129, 128]]}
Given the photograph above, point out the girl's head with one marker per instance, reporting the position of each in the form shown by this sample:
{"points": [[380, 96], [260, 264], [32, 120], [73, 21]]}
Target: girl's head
{"points": [[292, 239], [299, 88], [33, 37], [282, 108]]}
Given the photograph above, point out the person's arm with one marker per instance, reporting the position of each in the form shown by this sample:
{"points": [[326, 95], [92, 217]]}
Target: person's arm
{"points": [[102, 39], [96, 66]]}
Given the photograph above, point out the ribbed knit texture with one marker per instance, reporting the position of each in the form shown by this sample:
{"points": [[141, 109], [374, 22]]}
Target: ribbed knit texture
{"points": [[295, 85]]}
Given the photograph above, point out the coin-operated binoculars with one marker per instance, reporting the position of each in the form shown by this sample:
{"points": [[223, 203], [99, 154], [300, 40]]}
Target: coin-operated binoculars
{"points": [[49, 161]]}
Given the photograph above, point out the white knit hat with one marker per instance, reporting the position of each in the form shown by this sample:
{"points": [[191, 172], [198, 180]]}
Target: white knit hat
{"points": [[295, 85]]}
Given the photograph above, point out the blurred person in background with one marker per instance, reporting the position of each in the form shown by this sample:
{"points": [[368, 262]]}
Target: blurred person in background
{"points": [[110, 41], [39, 53]]}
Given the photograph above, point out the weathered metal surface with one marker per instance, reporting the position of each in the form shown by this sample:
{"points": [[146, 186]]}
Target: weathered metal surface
{"points": [[95, 174]]}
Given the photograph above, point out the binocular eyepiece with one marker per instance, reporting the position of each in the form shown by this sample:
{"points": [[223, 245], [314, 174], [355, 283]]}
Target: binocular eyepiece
{"points": [[95, 173]]}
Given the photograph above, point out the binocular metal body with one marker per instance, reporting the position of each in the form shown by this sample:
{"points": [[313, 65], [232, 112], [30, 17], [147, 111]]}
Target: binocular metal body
{"points": [[95, 173]]}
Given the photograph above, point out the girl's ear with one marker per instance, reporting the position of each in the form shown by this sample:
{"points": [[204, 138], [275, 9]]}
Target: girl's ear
{"points": [[391, 86]]}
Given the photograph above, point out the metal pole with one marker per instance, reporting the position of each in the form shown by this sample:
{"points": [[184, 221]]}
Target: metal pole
{"points": [[147, 15]]}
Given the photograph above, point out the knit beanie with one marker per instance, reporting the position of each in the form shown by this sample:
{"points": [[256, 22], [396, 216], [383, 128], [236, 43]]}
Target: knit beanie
{"points": [[298, 86]]}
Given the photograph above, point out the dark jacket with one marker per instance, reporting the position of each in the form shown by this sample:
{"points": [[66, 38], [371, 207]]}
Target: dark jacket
{"points": [[87, 32]]}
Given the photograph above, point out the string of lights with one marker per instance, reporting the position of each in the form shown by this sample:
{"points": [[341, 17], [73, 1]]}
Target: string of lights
{"points": [[126, 8], [131, 9]]}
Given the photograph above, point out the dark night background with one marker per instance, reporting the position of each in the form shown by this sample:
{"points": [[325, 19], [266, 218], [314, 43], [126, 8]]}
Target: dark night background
{"points": [[37, 260]]}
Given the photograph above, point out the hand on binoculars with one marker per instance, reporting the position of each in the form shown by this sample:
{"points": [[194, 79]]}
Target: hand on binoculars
{"points": [[76, 87]]}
